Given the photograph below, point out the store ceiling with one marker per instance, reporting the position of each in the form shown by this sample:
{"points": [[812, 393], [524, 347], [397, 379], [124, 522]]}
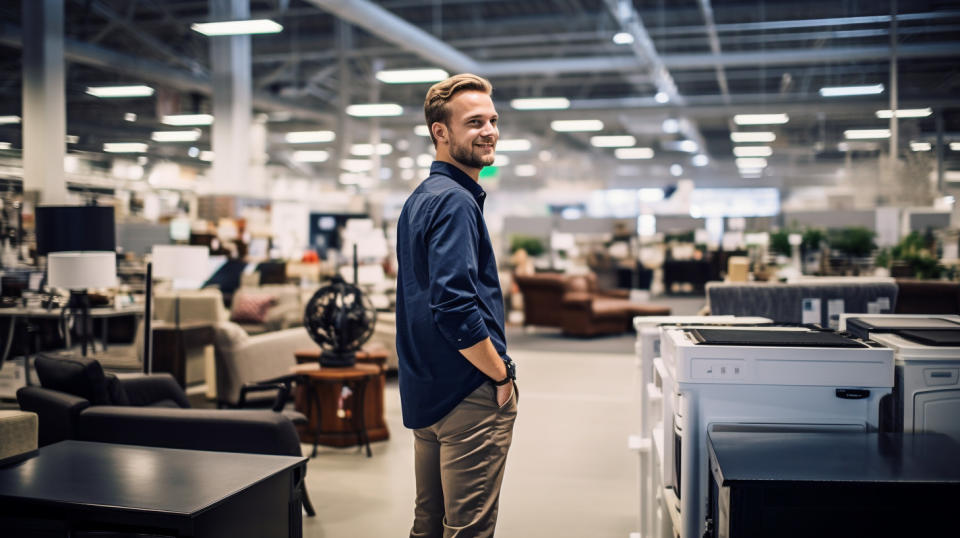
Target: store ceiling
{"points": [[713, 59]]}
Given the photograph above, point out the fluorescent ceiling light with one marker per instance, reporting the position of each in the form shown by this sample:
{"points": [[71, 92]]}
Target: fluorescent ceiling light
{"points": [[623, 38], [309, 137], [670, 125], [954, 146], [676, 170], [866, 134], [619, 141], [206, 155], [405, 162], [905, 113], [370, 110], [366, 150], [187, 119], [751, 162], [661, 97], [356, 165], [421, 130], [700, 160], [5, 145], [254, 26], [759, 136], [411, 76], [576, 126], [176, 136], [130, 116], [515, 144], [7, 120], [753, 151], [761, 119], [633, 153], [920, 146], [540, 103], [316, 156], [124, 147], [72, 139], [525, 170], [843, 91], [501, 160], [120, 91]]}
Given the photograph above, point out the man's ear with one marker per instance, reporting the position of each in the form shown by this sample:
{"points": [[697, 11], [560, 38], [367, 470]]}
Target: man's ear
{"points": [[439, 130]]}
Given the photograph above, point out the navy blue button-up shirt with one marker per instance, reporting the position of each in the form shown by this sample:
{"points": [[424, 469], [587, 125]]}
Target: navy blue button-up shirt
{"points": [[448, 294]]}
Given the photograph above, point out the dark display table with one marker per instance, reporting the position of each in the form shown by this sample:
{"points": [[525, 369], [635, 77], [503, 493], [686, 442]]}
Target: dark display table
{"points": [[73, 487], [832, 484]]}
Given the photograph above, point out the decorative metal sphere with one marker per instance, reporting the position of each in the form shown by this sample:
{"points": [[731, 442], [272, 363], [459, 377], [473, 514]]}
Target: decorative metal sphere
{"points": [[340, 318]]}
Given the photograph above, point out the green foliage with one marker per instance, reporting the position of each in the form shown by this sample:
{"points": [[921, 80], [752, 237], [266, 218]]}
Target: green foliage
{"points": [[853, 241], [780, 242], [812, 238], [916, 251], [882, 259], [533, 245]]}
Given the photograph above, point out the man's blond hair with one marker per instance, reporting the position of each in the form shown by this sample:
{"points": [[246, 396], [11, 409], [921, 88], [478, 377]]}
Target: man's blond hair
{"points": [[435, 105]]}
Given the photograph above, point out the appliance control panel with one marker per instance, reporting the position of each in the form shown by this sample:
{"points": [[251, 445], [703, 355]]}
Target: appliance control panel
{"points": [[718, 369]]}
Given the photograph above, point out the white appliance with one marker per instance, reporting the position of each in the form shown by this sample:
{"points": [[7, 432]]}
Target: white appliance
{"points": [[649, 329], [763, 378], [926, 395]]}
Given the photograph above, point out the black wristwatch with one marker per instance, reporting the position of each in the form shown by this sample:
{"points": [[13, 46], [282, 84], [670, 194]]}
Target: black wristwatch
{"points": [[511, 372]]}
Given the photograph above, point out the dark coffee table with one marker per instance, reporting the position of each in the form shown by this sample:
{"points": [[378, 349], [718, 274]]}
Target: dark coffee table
{"points": [[77, 487]]}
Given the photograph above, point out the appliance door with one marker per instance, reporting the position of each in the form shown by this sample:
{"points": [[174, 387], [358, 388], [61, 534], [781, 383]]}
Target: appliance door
{"points": [[937, 411], [677, 449]]}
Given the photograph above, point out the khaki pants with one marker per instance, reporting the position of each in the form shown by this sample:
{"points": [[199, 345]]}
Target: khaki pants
{"points": [[459, 467]]}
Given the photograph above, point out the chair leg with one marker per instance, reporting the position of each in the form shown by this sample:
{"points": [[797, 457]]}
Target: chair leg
{"points": [[305, 500]]}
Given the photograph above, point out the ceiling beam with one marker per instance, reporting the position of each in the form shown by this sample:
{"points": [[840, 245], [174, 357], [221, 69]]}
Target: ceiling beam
{"points": [[157, 72]]}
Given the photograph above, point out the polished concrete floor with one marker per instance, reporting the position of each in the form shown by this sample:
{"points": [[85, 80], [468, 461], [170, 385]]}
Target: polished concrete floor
{"points": [[569, 474]]}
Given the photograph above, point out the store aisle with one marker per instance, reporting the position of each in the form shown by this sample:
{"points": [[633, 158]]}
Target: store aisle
{"points": [[569, 475]]}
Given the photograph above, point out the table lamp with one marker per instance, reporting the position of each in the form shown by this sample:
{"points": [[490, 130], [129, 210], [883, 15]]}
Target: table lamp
{"points": [[79, 271]]}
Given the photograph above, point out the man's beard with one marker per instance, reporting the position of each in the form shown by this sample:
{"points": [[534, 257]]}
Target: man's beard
{"points": [[470, 156]]}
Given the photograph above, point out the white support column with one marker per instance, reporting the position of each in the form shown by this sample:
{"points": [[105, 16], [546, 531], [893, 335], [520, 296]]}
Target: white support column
{"points": [[44, 100], [232, 100]]}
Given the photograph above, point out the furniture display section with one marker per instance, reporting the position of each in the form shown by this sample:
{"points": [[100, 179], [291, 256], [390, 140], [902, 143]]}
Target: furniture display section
{"points": [[338, 417], [832, 485], [575, 304], [107, 488]]}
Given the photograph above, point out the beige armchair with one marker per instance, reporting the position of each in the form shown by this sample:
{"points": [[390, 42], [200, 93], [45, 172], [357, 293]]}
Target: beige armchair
{"points": [[242, 358]]}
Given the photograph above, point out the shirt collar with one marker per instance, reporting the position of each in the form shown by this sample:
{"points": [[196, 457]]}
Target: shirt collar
{"points": [[458, 175]]}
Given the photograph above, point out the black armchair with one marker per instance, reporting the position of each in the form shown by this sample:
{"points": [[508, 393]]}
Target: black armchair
{"points": [[76, 400]]}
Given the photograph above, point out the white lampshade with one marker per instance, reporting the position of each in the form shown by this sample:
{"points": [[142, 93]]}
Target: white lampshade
{"points": [[181, 262], [82, 270]]}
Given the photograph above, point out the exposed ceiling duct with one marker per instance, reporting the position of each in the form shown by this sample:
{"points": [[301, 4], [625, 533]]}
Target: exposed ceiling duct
{"points": [[110, 60]]}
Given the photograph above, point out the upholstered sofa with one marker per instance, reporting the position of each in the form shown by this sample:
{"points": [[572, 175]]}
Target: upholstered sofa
{"points": [[576, 305], [77, 400]]}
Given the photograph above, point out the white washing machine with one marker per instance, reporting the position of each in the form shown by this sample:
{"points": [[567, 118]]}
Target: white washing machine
{"points": [[776, 379], [653, 398], [926, 395]]}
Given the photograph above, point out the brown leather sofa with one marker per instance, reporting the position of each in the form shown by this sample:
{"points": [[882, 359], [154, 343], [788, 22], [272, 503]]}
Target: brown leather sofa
{"points": [[576, 305]]}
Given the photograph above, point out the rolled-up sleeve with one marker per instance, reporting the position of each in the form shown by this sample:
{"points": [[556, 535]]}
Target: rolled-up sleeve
{"points": [[453, 235]]}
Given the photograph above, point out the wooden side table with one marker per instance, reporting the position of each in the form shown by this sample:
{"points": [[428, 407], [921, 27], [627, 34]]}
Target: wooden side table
{"points": [[374, 404], [318, 399]]}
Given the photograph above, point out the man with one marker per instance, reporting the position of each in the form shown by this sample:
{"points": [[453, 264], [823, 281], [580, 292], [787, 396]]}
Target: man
{"points": [[456, 380]]}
